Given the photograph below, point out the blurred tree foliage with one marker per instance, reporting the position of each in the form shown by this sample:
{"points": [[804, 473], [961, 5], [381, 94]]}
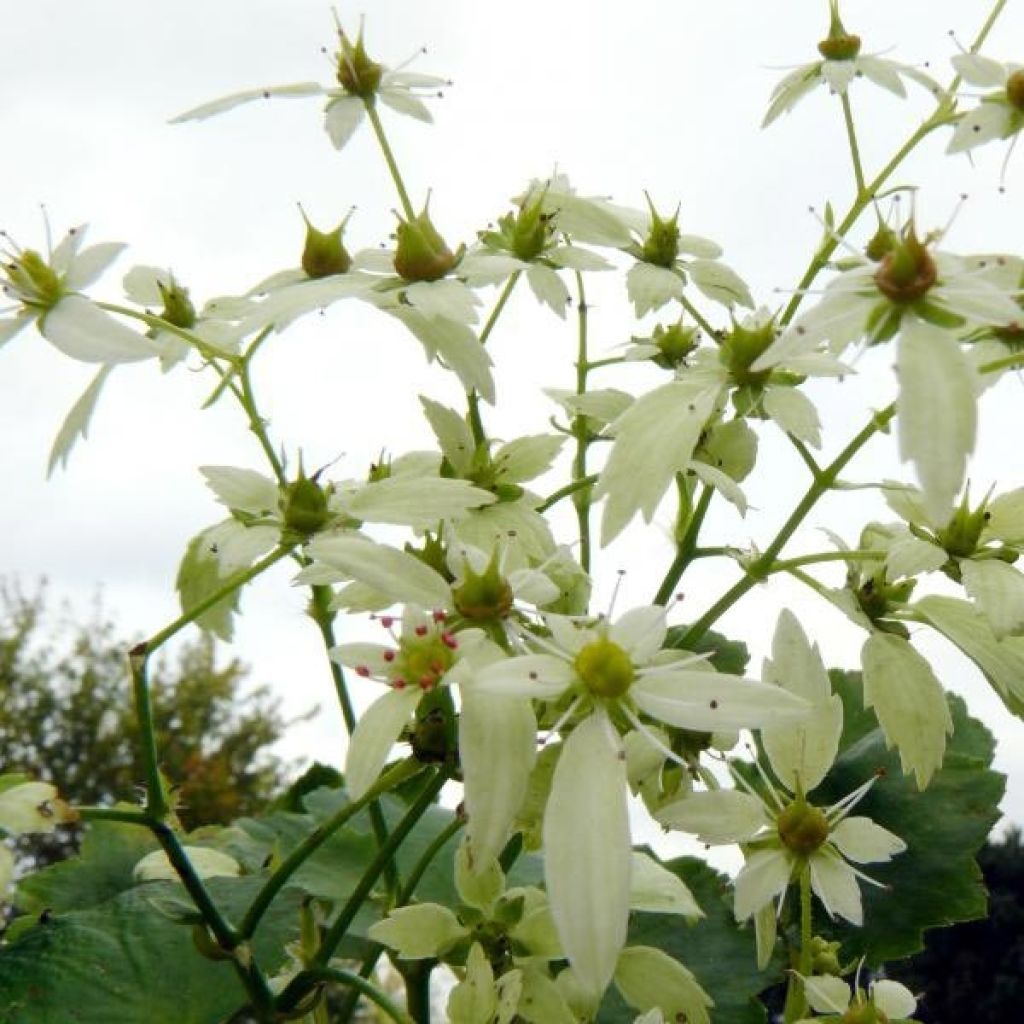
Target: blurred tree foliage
{"points": [[66, 716]]}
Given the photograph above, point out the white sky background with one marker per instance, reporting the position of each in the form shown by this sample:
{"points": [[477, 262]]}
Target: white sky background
{"points": [[624, 97]]}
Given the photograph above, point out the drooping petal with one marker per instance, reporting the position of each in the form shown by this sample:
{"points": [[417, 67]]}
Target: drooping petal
{"points": [[936, 412], [497, 748], [762, 879], [404, 578], [720, 816], [909, 702], [415, 501], [979, 70], [375, 734], [827, 994], [448, 298], [404, 102], [656, 890], [859, 839], [587, 850], [795, 413], [649, 287], [835, 884], [548, 288], [720, 283], [76, 423], [649, 978], [247, 96], [90, 263], [342, 116], [711, 702], [11, 325], [83, 331], [987, 121]]}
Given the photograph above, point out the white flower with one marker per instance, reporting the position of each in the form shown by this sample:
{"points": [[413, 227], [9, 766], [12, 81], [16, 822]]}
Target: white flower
{"points": [[842, 62], [48, 292], [361, 82], [783, 833], [27, 806], [999, 114], [598, 666]]}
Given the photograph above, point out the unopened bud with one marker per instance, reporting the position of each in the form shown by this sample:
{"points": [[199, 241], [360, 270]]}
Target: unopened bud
{"points": [[304, 507]]}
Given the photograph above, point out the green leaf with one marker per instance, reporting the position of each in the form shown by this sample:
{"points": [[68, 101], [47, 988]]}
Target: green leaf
{"points": [[936, 882], [728, 656], [718, 951], [198, 577], [124, 961]]}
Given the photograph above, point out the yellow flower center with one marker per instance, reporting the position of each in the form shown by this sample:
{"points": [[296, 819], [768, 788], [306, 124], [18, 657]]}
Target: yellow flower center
{"points": [[802, 828], [605, 668]]}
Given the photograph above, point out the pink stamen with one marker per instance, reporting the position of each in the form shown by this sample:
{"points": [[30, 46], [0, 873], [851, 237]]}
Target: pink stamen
{"points": [[387, 621], [389, 655], [448, 639], [398, 684], [362, 670], [440, 616], [421, 630]]}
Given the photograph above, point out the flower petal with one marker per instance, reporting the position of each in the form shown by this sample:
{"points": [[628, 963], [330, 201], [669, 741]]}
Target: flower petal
{"points": [[896, 1001], [711, 702], [859, 839], [998, 591], [656, 890], [237, 99], [835, 883], [649, 978], [90, 263], [720, 816], [541, 676], [243, 489], [588, 852], [76, 423], [827, 993], [649, 287], [342, 116], [641, 632], [83, 331], [762, 879], [375, 734], [548, 288]]}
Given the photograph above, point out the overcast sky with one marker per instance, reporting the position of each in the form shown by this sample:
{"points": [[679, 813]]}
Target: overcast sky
{"points": [[649, 95]]}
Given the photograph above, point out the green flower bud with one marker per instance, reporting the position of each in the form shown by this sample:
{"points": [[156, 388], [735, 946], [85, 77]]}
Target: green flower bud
{"points": [[323, 253], [605, 668], [839, 44], [486, 596], [304, 507], [525, 234], [881, 243], [862, 1011], [357, 74], [178, 308], [825, 956], [802, 827], [421, 253], [661, 247], [675, 343], [1015, 90], [907, 271]]}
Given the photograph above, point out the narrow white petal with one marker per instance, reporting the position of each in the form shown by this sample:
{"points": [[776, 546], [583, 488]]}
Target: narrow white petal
{"points": [[362, 654], [90, 263], [548, 288], [11, 325], [722, 482], [882, 72], [448, 298], [76, 423], [415, 502], [588, 854], [247, 96], [936, 412], [827, 993], [404, 102], [84, 331], [911, 556], [721, 816], [834, 882], [720, 283], [998, 590], [342, 116], [497, 747], [641, 632], [649, 287], [795, 413], [859, 839], [575, 258], [656, 890], [987, 121], [244, 489], [542, 676], [374, 736], [710, 702], [404, 578], [762, 879], [979, 70]]}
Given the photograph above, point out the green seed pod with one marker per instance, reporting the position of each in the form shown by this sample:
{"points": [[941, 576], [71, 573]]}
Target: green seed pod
{"points": [[802, 827], [839, 44], [882, 242], [421, 253], [304, 507], [825, 956], [357, 74], [483, 597], [178, 308], [741, 346], [661, 246], [323, 253], [605, 668], [675, 343], [907, 271]]}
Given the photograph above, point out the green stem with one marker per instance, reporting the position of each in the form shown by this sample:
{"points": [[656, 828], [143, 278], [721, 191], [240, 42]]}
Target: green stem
{"points": [[121, 814], [698, 317], [581, 497], [564, 492], [762, 566], [475, 422], [851, 137], [416, 975], [147, 647], [157, 807], [320, 610], [809, 460], [860, 555], [273, 885], [686, 547], [160, 324], [596, 364], [389, 159], [1003, 363], [360, 986], [337, 931], [257, 424]]}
